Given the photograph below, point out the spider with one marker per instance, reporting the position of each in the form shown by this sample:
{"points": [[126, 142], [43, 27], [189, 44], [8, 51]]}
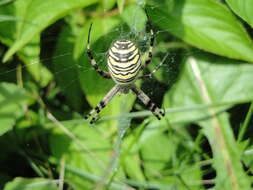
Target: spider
{"points": [[124, 65]]}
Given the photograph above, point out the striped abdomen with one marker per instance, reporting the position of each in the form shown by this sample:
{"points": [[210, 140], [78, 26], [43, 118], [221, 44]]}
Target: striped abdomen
{"points": [[124, 61]]}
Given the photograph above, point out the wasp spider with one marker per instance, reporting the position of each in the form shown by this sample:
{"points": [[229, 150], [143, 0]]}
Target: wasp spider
{"points": [[124, 65]]}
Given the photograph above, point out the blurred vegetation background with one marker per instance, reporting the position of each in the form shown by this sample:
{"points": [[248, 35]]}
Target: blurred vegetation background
{"points": [[47, 86]]}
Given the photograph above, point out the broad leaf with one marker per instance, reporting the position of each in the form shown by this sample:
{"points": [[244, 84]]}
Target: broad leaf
{"points": [[89, 152], [108, 4], [135, 17], [207, 25], [33, 23], [10, 30], [244, 9], [12, 102], [212, 70], [174, 162]]}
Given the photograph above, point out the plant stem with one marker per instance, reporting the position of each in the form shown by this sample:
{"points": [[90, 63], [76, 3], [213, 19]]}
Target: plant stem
{"points": [[245, 124]]}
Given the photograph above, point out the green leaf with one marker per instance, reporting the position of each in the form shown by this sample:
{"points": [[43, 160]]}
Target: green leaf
{"points": [[213, 70], [30, 184], [135, 17], [3, 2], [207, 25], [30, 55], [108, 4], [227, 155], [66, 68], [211, 80], [244, 9], [152, 154], [247, 158], [89, 151], [132, 167], [8, 24], [130, 160], [33, 23], [174, 163], [6, 18], [31, 52], [12, 100]]}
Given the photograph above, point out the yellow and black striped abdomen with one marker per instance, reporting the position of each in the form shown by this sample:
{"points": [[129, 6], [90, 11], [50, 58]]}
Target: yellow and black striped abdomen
{"points": [[124, 61]]}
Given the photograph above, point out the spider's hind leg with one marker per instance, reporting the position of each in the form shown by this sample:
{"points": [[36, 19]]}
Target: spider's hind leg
{"points": [[94, 112], [93, 115], [159, 113]]}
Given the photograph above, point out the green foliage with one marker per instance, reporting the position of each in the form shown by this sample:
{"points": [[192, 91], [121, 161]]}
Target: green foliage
{"points": [[242, 9], [30, 184], [13, 101], [207, 25], [47, 85]]}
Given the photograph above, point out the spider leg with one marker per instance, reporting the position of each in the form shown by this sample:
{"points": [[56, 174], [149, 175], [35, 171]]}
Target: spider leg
{"points": [[93, 61], [152, 39], [148, 103], [94, 112], [149, 75]]}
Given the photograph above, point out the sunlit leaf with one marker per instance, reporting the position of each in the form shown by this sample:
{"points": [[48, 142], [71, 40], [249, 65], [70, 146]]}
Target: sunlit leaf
{"points": [[12, 100], [227, 156], [108, 4], [200, 83], [33, 23], [212, 70], [89, 152], [31, 184], [10, 30], [135, 17], [244, 9], [207, 25]]}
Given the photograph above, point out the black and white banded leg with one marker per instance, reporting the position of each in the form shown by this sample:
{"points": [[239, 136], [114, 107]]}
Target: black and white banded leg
{"points": [[148, 103], [152, 39], [93, 61], [94, 112], [149, 75]]}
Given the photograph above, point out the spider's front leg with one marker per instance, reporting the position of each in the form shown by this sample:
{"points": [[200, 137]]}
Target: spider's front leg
{"points": [[148, 103], [152, 40], [149, 75], [93, 61], [150, 51], [94, 112]]}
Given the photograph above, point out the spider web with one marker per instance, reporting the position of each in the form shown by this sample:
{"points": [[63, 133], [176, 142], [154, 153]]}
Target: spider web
{"points": [[135, 32], [132, 27], [163, 79]]}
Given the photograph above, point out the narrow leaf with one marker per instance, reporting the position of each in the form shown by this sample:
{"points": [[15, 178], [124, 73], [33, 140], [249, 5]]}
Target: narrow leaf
{"points": [[31, 184], [200, 83]]}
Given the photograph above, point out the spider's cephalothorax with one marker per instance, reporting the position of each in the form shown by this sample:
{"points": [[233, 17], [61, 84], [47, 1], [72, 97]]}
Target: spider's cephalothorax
{"points": [[124, 61], [124, 64]]}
